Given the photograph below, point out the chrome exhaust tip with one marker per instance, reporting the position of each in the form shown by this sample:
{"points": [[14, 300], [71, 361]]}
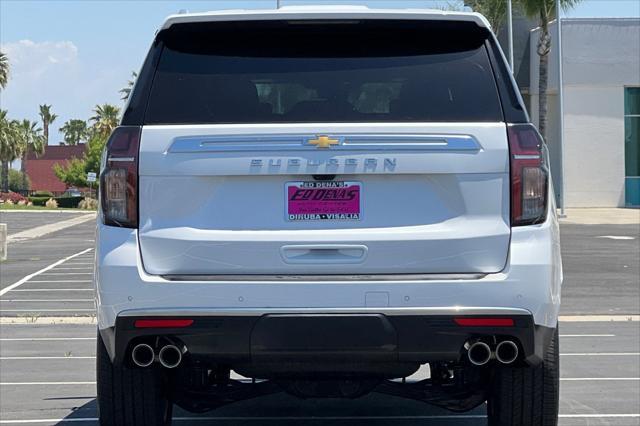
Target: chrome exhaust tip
{"points": [[507, 352], [142, 355], [479, 353], [170, 356]]}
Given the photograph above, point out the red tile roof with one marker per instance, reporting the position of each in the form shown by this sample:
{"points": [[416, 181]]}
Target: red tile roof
{"points": [[59, 152], [40, 169]]}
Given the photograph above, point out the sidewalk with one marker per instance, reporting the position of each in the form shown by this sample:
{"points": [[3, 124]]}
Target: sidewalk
{"points": [[601, 216]]}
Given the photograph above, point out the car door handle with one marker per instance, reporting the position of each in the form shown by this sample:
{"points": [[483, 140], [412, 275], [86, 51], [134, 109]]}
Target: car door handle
{"points": [[324, 253]]}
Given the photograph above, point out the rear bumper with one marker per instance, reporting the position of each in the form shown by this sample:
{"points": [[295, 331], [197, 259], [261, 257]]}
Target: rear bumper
{"points": [[279, 343], [530, 281]]}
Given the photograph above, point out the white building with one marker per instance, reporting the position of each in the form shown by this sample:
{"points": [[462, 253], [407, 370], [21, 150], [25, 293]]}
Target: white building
{"points": [[601, 61]]}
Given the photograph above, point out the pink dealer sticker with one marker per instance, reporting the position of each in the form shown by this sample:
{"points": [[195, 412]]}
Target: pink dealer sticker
{"points": [[323, 200]]}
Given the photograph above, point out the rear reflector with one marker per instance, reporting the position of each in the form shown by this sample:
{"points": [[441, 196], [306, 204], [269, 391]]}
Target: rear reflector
{"points": [[529, 175], [484, 322], [163, 323]]}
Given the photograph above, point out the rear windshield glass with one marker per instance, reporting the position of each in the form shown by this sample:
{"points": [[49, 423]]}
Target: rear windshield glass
{"points": [[337, 71]]}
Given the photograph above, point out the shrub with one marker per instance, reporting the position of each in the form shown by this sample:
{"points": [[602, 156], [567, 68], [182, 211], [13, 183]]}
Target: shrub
{"points": [[39, 201], [62, 202], [68, 202], [14, 197], [88, 204], [51, 203]]}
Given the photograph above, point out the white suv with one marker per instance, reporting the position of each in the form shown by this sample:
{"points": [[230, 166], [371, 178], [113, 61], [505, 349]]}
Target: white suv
{"points": [[323, 200]]}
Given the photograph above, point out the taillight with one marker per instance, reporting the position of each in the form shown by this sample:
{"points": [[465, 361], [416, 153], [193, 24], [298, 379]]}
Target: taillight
{"points": [[529, 175], [119, 178]]}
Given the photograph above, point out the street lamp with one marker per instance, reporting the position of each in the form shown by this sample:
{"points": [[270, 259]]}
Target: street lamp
{"points": [[510, 33], [560, 107]]}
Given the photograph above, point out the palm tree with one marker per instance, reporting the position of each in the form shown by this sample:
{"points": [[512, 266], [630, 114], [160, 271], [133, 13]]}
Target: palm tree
{"points": [[105, 119], [4, 70], [545, 11], [75, 131], [47, 118], [10, 148], [32, 140], [126, 91]]}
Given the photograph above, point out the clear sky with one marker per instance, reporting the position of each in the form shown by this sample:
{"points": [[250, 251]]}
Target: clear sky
{"points": [[75, 54]]}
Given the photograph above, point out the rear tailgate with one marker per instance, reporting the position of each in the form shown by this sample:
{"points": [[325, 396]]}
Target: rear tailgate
{"points": [[425, 210], [235, 137]]}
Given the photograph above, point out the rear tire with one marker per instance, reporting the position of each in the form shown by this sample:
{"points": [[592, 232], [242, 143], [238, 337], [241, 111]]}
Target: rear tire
{"points": [[130, 396], [527, 396]]}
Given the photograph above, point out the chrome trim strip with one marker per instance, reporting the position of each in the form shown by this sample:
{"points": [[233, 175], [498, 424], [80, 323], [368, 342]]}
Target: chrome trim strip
{"points": [[349, 142], [324, 278], [526, 157], [121, 159], [390, 311]]}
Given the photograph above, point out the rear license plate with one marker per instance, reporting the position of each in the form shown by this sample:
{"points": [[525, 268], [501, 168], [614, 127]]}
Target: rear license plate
{"points": [[323, 200]]}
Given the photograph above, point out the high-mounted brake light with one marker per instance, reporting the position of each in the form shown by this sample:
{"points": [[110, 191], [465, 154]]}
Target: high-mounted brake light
{"points": [[529, 175], [119, 178]]}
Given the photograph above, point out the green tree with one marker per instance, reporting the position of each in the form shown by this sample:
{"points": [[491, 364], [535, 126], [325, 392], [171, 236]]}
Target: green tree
{"points": [[106, 119], [72, 173], [93, 154], [4, 70], [126, 91], [75, 131], [494, 10], [544, 11], [10, 147], [32, 140], [18, 182], [47, 118]]}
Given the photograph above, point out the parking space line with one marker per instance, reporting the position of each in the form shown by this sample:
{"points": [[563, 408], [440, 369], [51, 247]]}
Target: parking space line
{"points": [[602, 354], [41, 271], [45, 383], [33, 358], [43, 339], [599, 379], [61, 281], [587, 335], [74, 269], [48, 321], [68, 273], [32, 421], [599, 318], [53, 289], [46, 300], [47, 310], [598, 416]]}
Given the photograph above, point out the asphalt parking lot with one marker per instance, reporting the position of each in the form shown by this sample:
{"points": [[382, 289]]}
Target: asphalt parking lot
{"points": [[47, 371]]}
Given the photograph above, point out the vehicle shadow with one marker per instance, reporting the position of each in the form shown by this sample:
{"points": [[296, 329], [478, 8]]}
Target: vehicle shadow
{"points": [[282, 409]]}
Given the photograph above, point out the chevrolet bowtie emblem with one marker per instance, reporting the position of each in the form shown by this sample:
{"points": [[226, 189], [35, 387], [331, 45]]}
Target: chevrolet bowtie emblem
{"points": [[323, 142]]}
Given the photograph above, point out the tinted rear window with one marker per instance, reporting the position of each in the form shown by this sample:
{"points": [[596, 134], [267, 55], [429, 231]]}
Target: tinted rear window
{"points": [[369, 71]]}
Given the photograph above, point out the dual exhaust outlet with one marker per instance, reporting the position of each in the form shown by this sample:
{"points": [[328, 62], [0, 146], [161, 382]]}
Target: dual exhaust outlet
{"points": [[480, 353], [169, 356]]}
